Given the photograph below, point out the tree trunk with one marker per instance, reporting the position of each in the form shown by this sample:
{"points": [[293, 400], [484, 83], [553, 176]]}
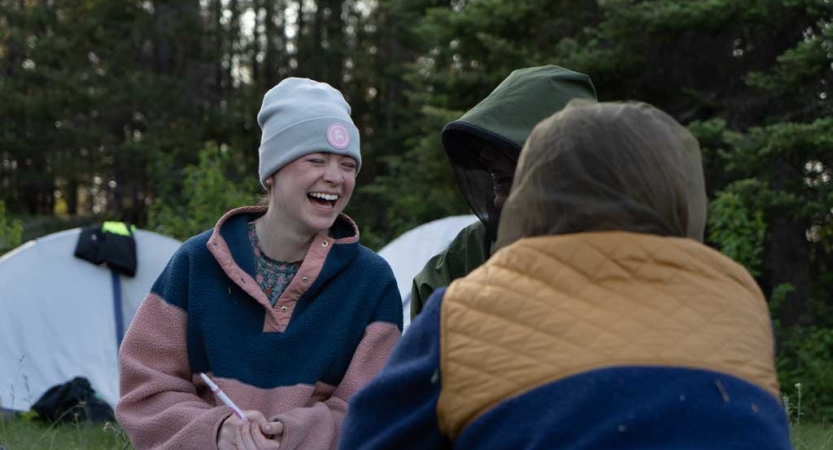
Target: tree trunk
{"points": [[300, 50], [788, 260], [219, 81], [269, 74], [334, 30], [788, 256], [256, 45], [163, 52], [72, 197], [393, 93], [177, 35], [233, 40], [311, 64]]}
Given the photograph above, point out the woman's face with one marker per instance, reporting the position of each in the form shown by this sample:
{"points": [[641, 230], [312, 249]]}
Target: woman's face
{"points": [[502, 170], [313, 190]]}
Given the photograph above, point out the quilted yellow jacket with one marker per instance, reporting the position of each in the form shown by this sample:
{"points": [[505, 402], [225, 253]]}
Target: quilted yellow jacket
{"points": [[592, 340]]}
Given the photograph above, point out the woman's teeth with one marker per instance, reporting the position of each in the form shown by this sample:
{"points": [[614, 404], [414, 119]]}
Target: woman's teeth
{"points": [[324, 196]]}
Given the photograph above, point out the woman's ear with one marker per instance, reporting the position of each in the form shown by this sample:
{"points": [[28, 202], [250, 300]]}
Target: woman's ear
{"points": [[269, 181]]}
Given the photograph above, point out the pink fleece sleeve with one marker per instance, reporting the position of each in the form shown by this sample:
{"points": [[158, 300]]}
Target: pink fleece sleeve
{"points": [[317, 427], [159, 407]]}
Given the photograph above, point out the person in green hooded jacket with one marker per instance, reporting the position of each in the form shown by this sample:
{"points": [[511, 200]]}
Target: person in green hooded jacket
{"points": [[483, 146]]}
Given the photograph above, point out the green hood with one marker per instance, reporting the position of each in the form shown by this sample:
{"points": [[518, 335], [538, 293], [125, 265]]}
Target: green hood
{"points": [[504, 120]]}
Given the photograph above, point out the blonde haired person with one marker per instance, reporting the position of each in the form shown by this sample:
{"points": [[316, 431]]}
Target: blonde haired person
{"points": [[602, 322], [279, 304]]}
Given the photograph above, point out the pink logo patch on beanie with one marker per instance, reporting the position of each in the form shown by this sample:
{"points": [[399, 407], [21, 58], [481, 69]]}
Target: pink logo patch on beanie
{"points": [[337, 136]]}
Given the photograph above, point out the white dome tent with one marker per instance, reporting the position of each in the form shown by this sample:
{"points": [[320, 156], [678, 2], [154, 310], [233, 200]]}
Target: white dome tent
{"points": [[64, 317], [408, 253]]}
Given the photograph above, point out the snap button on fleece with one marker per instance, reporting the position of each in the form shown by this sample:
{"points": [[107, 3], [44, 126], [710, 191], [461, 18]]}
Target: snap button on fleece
{"points": [[284, 308], [305, 279], [325, 243]]}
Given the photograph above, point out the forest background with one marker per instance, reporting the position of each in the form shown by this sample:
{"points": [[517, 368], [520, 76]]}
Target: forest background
{"points": [[145, 111]]}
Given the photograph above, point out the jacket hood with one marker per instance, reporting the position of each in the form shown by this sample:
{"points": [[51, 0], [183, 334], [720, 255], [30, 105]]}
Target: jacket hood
{"points": [[503, 121], [607, 167]]}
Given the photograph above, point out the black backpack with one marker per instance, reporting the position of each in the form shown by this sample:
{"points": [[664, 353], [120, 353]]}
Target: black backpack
{"points": [[72, 401], [118, 250]]}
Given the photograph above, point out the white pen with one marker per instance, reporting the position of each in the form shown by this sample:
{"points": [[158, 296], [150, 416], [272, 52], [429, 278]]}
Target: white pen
{"points": [[223, 397]]}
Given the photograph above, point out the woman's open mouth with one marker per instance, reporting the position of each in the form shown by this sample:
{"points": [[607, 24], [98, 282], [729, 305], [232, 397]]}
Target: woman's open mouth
{"points": [[323, 199]]}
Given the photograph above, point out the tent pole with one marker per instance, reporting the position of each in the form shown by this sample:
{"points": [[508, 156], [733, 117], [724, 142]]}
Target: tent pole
{"points": [[117, 308]]}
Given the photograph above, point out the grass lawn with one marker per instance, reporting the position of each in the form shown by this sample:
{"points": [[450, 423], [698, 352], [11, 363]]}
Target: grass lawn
{"points": [[812, 437], [20, 435]]}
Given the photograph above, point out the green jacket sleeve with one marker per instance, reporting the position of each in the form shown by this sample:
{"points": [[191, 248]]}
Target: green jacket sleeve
{"points": [[464, 254]]}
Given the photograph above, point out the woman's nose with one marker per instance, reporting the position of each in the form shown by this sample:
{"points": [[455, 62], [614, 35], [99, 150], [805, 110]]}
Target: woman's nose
{"points": [[333, 174]]}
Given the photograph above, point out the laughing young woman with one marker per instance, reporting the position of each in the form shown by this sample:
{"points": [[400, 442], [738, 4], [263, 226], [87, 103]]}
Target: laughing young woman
{"points": [[279, 304]]}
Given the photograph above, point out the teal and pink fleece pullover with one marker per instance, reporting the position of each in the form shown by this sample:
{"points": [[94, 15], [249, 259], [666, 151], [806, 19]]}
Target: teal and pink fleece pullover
{"points": [[299, 362]]}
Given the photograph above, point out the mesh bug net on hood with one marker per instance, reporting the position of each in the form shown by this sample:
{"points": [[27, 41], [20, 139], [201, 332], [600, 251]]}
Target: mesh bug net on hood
{"points": [[502, 122]]}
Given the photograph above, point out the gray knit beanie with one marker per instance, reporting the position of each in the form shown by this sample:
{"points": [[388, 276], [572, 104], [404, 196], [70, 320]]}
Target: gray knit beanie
{"points": [[300, 116]]}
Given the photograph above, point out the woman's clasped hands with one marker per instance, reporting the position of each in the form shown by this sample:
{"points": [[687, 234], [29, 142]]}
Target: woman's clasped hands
{"points": [[256, 433]]}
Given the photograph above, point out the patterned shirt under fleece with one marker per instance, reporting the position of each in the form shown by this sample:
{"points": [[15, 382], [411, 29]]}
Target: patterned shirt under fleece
{"points": [[273, 276]]}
